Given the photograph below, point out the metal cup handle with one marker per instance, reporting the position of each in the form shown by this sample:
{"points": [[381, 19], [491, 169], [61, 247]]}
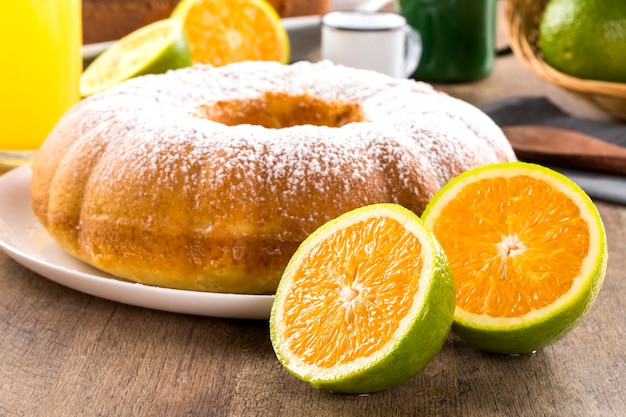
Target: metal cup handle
{"points": [[413, 51]]}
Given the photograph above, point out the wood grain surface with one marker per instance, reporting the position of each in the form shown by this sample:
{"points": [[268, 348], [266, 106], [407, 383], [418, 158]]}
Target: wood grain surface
{"points": [[64, 353]]}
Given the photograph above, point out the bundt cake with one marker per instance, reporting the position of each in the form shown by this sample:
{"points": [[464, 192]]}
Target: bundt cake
{"points": [[209, 178], [107, 20]]}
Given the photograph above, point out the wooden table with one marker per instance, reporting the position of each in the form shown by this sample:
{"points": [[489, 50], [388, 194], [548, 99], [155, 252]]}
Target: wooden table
{"points": [[64, 353]]}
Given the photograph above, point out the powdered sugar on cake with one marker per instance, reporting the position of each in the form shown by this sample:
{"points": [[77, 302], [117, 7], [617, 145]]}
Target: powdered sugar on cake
{"points": [[155, 129]]}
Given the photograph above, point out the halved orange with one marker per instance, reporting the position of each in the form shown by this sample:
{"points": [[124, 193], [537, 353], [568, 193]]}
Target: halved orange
{"points": [[365, 303], [528, 254], [221, 32]]}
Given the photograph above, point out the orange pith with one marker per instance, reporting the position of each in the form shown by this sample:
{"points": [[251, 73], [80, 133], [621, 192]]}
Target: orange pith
{"points": [[353, 299], [223, 32], [522, 253]]}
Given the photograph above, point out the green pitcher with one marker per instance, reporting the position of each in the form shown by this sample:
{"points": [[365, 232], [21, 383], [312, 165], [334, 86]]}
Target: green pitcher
{"points": [[458, 38]]}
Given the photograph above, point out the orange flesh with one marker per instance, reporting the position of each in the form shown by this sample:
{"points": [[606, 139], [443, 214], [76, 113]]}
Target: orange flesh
{"points": [[511, 255], [349, 296], [219, 35]]}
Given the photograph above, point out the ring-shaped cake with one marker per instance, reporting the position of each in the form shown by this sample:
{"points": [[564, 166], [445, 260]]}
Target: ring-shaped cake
{"points": [[209, 178]]}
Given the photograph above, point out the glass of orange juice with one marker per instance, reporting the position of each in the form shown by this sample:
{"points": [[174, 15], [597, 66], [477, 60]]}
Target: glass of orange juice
{"points": [[40, 67]]}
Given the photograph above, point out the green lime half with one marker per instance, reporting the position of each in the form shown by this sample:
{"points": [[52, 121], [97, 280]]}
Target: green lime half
{"points": [[153, 49]]}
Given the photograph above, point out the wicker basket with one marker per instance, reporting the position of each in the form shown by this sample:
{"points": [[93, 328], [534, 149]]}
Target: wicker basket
{"points": [[522, 19]]}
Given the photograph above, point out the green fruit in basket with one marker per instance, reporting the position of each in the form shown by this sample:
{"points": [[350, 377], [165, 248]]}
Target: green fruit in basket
{"points": [[152, 49], [585, 38]]}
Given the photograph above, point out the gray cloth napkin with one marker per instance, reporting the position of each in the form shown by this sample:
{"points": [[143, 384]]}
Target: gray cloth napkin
{"points": [[540, 111]]}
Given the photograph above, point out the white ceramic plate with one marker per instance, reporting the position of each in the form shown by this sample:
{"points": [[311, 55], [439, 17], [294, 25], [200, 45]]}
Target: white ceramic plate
{"points": [[24, 239]]}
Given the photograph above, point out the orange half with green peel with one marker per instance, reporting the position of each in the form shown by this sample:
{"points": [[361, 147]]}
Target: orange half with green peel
{"points": [[365, 303], [221, 32], [528, 254]]}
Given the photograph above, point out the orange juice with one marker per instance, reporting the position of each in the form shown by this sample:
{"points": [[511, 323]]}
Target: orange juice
{"points": [[40, 67]]}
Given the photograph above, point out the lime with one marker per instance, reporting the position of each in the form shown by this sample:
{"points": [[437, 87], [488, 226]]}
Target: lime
{"points": [[152, 49], [528, 254], [585, 38], [365, 303], [221, 32]]}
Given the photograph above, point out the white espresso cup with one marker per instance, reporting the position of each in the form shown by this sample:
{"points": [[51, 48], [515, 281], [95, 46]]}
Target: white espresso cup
{"points": [[379, 41]]}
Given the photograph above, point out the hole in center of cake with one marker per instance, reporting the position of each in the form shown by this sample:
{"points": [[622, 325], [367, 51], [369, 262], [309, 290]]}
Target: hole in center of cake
{"points": [[279, 110]]}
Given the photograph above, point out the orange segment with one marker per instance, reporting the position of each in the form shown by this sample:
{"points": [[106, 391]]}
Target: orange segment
{"points": [[357, 298], [221, 32]]}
